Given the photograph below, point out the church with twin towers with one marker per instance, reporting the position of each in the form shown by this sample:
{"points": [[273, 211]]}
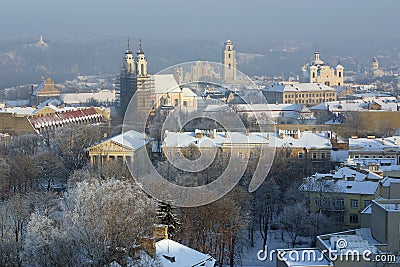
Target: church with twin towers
{"points": [[134, 76]]}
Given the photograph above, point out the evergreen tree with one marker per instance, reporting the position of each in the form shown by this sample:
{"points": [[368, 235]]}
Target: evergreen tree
{"points": [[166, 215]]}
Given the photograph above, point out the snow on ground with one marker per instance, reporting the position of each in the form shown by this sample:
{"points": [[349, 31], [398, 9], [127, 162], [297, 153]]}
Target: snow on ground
{"points": [[249, 254]]}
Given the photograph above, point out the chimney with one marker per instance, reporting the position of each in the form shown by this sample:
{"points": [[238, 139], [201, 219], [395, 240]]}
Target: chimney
{"points": [[383, 141], [396, 143], [149, 245], [144, 136], [281, 135], [314, 131], [396, 206], [247, 132], [358, 167], [296, 136], [160, 231], [351, 178]]}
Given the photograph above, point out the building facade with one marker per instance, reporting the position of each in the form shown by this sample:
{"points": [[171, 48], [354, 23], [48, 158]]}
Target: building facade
{"points": [[308, 94], [127, 148], [342, 194], [317, 72]]}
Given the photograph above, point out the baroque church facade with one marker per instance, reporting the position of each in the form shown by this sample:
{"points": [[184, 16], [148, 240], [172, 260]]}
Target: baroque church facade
{"points": [[318, 72]]}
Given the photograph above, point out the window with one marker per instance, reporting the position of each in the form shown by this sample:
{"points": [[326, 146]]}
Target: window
{"points": [[353, 218], [229, 65], [340, 75], [251, 154], [323, 155], [314, 155], [340, 202], [229, 55], [185, 103], [340, 217], [313, 74], [354, 203], [366, 203], [240, 155], [176, 102], [300, 155]]}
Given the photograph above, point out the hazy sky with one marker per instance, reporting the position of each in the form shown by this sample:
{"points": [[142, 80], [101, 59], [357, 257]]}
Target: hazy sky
{"points": [[312, 20]]}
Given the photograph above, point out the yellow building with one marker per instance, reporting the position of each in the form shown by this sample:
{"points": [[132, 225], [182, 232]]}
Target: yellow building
{"points": [[129, 147], [317, 72], [308, 94], [168, 93], [342, 194], [44, 91]]}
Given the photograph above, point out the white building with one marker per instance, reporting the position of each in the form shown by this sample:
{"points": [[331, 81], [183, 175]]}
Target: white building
{"points": [[382, 151]]}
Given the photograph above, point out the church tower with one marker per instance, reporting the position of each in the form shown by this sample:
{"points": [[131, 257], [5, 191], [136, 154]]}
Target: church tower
{"points": [[145, 85], [129, 60], [229, 61], [375, 64], [127, 81], [141, 63]]}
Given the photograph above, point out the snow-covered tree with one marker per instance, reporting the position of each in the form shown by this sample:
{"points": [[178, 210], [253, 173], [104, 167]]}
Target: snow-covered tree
{"points": [[166, 215], [105, 215], [47, 243]]}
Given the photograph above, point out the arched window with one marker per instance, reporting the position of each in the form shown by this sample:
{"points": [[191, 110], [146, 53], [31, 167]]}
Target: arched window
{"points": [[229, 65], [229, 55]]}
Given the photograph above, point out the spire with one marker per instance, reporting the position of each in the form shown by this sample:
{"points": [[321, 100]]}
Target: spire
{"points": [[128, 50], [140, 47]]}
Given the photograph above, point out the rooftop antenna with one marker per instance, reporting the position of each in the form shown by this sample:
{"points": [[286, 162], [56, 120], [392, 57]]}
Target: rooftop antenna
{"points": [[128, 43]]}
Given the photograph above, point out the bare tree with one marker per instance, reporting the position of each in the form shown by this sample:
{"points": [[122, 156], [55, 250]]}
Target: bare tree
{"points": [[71, 144], [294, 221]]}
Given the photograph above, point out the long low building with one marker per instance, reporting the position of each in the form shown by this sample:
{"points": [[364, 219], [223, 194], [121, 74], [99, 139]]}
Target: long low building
{"points": [[299, 93], [265, 113], [21, 120]]}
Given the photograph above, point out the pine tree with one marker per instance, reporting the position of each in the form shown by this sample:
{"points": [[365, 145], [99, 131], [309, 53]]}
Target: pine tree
{"points": [[166, 215]]}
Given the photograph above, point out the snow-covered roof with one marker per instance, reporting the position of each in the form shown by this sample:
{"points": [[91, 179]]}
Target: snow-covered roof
{"points": [[296, 111], [387, 181], [174, 254], [19, 110], [306, 139], [356, 105], [131, 139], [166, 83], [178, 139], [77, 98], [349, 172], [299, 87], [341, 186], [374, 144], [345, 180]]}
